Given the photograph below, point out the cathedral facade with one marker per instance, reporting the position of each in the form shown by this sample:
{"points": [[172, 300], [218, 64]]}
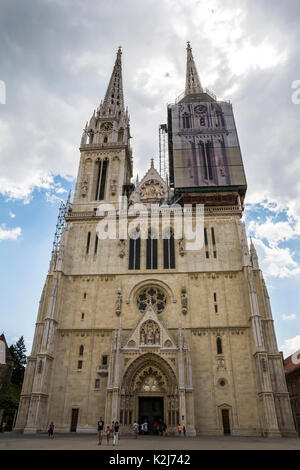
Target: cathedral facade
{"points": [[141, 327]]}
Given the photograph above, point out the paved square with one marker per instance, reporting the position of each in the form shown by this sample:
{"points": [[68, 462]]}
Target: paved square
{"points": [[13, 441]]}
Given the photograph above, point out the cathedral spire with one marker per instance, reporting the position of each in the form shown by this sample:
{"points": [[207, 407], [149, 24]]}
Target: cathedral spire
{"points": [[192, 82], [114, 99]]}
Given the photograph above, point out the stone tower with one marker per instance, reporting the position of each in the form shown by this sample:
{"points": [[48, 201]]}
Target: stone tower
{"points": [[139, 327]]}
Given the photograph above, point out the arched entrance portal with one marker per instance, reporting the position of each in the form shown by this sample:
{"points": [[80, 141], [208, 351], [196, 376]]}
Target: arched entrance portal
{"points": [[149, 392]]}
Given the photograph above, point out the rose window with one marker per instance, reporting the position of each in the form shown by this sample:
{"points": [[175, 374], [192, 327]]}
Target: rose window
{"points": [[151, 296]]}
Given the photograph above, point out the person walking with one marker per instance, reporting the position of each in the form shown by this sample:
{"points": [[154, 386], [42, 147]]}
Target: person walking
{"points": [[107, 432], [112, 430], [155, 427], [135, 429], [4, 423], [184, 430], [51, 430], [145, 427], [100, 430], [116, 433], [179, 429], [164, 429], [160, 428]]}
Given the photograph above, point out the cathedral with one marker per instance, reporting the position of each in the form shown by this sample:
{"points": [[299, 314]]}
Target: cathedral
{"points": [[141, 326]]}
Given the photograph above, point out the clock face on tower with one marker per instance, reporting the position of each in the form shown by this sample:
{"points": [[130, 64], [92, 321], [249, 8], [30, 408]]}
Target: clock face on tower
{"points": [[106, 126]]}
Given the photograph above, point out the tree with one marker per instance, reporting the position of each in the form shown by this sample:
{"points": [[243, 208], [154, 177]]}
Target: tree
{"points": [[17, 351]]}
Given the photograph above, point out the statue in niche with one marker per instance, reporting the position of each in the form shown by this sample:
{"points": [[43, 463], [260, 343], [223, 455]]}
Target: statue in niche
{"points": [[150, 336], [150, 333], [84, 186], [122, 248], [181, 247], [113, 186]]}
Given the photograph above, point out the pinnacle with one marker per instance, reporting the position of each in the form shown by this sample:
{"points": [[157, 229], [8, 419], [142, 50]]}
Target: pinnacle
{"points": [[192, 83]]}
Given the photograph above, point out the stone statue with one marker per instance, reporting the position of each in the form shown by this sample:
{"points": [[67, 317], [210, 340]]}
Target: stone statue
{"points": [[184, 300], [119, 302], [181, 247]]}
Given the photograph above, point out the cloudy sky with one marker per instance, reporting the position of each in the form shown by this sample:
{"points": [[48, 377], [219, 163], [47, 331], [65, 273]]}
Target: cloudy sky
{"points": [[55, 62]]}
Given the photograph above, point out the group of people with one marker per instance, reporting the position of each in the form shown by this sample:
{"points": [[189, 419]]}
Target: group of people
{"points": [[159, 428], [181, 429], [111, 432]]}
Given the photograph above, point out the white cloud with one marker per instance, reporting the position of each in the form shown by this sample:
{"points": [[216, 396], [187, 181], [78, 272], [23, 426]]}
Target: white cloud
{"points": [[12, 215], [290, 345], [9, 234], [274, 232], [288, 317], [276, 261]]}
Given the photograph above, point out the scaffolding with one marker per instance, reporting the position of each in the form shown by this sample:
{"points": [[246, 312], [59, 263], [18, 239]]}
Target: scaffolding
{"points": [[61, 223], [163, 156]]}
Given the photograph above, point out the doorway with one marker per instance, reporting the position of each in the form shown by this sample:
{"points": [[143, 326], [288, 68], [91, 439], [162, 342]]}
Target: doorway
{"points": [[151, 409], [74, 419], [226, 421]]}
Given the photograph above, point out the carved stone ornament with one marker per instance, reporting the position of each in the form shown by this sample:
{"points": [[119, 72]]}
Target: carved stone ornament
{"points": [[151, 190]]}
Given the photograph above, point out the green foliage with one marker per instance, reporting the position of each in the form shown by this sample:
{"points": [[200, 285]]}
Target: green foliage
{"points": [[17, 351], [9, 401]]}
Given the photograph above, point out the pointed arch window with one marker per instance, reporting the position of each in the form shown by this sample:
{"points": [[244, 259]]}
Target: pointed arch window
{"points": [[219, 346], [169, 249], [81, 349], [186, 121], [96, 244], [206, 151], [101, 179], [151, 250], [134, 251], [88, 242]]}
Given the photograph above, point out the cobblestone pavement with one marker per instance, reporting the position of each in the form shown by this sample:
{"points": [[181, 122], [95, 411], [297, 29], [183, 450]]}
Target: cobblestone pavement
{"points": [[13, 441]]}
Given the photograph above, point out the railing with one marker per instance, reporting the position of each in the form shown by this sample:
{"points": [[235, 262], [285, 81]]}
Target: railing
{"points": [[102, 370], [205, 90]]}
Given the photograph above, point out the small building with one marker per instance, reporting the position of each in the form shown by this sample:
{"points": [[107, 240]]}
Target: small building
{"points": [[6, 368], [6, 365], [292, 375]]}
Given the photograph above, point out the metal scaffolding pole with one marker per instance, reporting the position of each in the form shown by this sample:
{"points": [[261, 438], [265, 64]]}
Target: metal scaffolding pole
{"points": [[163, 158]]}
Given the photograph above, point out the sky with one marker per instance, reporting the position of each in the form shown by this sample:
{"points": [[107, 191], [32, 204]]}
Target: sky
{"points": [[56, 58]]}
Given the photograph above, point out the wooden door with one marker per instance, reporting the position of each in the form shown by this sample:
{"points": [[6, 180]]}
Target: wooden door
{"points": [[74, 419], [226, 422]]}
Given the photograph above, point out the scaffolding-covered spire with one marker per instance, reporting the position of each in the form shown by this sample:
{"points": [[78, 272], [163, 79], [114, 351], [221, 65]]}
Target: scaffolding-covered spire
{"points": [[114, 99], [192, 82]]}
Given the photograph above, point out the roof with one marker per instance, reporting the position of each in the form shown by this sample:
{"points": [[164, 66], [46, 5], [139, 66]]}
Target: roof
{"points": [[289, 365]]}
